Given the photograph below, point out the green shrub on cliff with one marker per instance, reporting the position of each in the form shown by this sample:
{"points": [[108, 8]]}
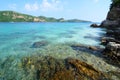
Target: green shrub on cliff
{"points": [[115, 3]]}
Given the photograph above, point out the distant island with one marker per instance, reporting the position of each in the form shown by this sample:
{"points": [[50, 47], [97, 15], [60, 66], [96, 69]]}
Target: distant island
{"points": [[12, 16]]}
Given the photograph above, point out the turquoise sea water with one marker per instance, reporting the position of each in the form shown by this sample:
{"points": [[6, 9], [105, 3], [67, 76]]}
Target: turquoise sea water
{"points": [[17, 38], [20, 59]]}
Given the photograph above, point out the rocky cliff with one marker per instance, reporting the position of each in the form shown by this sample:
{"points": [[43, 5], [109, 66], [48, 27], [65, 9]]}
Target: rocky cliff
{"points": [[113, 17], [112, 25]]}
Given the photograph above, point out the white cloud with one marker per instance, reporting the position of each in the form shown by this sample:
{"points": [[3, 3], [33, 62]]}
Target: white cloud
{"points": [[53, 5], [45, 5], [12, 6], [31, 7]]}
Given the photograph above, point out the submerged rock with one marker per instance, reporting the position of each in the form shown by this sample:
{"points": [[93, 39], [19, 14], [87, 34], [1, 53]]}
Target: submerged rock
{"points": [[39, 44], [49, 68]]}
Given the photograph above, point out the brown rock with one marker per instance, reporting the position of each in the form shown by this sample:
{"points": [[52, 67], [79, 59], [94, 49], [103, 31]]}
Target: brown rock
{"points": [[85, 70], [48, 68], [93, 48]]}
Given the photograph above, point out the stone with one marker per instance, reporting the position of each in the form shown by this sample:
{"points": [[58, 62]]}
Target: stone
{"points": [[112, 43], [113, 18], [93, 48], [106, 40], [108, 23], [112, 51], [39, 44], [49, 68], [94, 25], [114, 48]]}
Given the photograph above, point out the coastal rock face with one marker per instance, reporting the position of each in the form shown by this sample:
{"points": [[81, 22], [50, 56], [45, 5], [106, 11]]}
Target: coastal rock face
{"points": [[112, 41], [113, 17], [114, 33], [109, 23]]}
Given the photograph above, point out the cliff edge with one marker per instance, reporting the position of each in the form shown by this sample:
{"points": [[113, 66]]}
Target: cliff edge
{"points": [[113, 17]]}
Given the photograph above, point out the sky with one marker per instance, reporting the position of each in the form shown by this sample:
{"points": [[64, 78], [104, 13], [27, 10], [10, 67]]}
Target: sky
{"points": [[91, 10]]}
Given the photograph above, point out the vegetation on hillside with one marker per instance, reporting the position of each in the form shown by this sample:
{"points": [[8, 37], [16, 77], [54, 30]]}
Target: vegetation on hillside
{"points": [[115, 3], [11, 16]]}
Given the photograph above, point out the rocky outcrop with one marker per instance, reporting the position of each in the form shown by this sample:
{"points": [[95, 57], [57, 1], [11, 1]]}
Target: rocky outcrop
{"points": [[113, 17], [94, 25], [109, 23], [112, 41], [106, 40], [112, 51]]}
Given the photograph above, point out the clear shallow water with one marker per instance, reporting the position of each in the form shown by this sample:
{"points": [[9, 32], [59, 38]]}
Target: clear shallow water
{"points": [[17, 38]]}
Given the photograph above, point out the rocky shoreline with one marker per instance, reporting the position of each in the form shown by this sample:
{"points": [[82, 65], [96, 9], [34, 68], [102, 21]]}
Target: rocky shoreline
{"points": [[111, 41]]}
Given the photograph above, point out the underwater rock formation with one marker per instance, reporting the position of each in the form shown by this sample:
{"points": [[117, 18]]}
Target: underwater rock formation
{"points": [[49, 68], [39, 44]]}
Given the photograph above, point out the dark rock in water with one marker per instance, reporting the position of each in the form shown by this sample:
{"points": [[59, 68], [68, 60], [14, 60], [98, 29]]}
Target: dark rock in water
{"points": [[39, 44], [94, 25], [112, 51]]}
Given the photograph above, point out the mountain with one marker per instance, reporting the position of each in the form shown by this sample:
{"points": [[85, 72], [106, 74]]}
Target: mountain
{"points": [[12, 16]]}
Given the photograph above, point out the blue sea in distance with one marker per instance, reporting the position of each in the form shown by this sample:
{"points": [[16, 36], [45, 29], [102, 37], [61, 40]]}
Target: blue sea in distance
{"points": [[17, 38]]}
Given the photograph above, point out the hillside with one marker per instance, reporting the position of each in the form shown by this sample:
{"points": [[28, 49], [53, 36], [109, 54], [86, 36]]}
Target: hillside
{"points": [[12, 16]]}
